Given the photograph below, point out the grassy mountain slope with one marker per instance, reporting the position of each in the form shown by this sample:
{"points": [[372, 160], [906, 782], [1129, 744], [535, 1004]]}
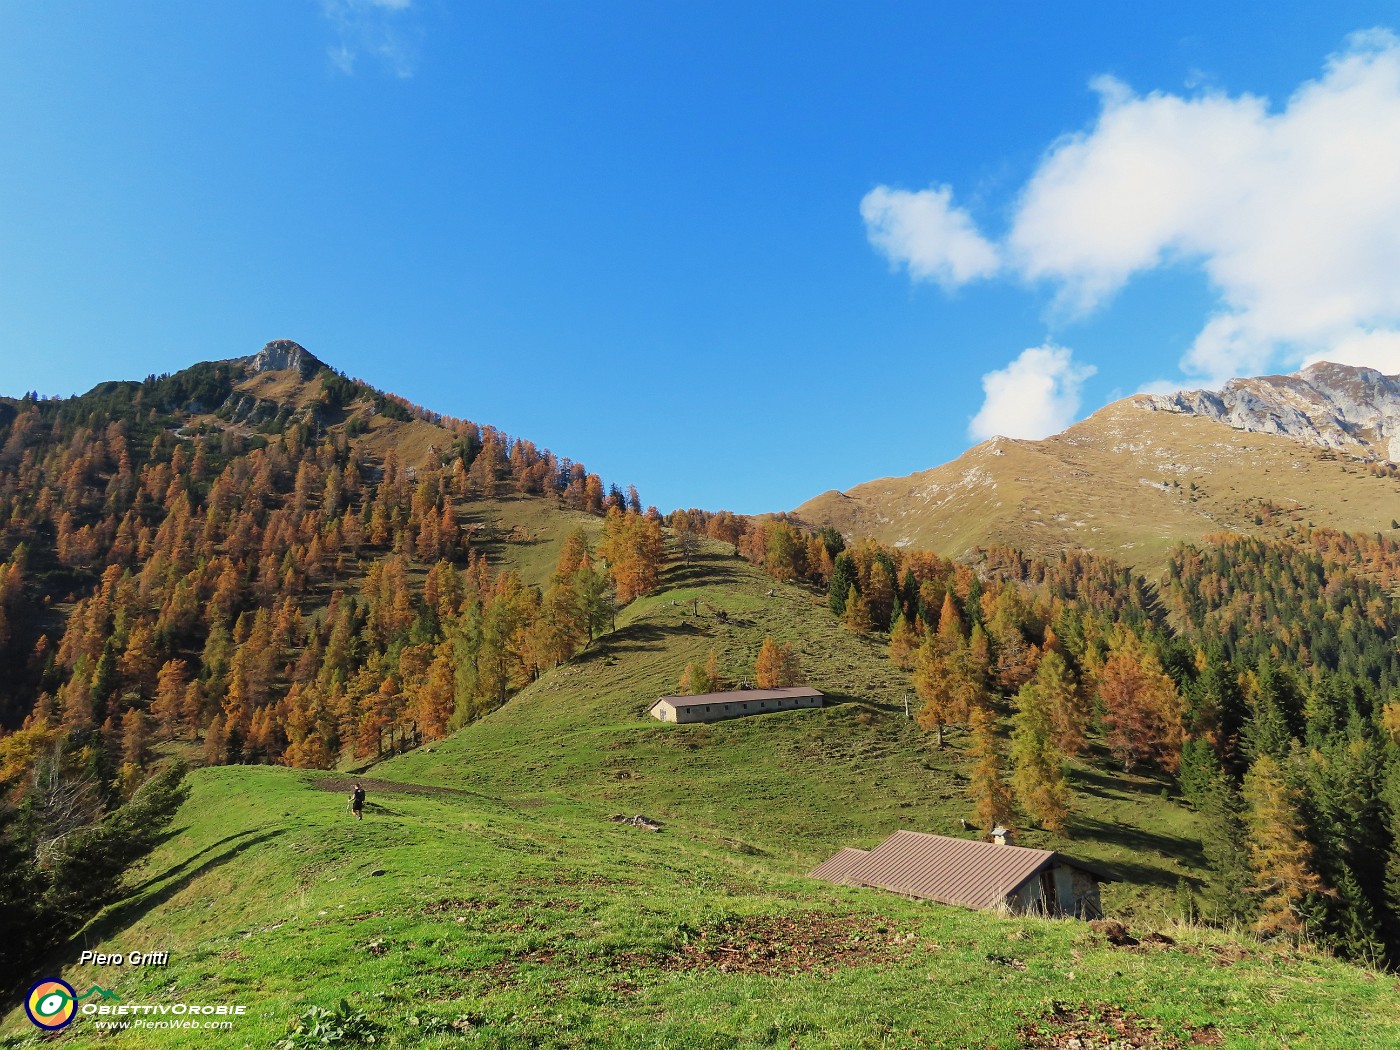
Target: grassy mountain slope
{"points": [[525, 533], [1126, 482], [506, 922], [512, 911], [796, 786]]}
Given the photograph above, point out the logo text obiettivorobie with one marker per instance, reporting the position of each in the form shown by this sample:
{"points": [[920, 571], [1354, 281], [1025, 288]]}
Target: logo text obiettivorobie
{"points": [[53, 1004]]}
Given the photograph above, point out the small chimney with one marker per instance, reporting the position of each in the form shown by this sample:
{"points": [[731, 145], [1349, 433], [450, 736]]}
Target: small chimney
{"points": [[1001, 836]]}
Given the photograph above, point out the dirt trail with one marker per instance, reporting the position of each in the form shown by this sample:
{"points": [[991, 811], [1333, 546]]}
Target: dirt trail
{"points": [[386, 787]]}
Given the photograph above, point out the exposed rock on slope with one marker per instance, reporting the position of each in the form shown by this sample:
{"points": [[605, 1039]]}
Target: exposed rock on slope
{"points": [[282, 355], [1353, 410]]}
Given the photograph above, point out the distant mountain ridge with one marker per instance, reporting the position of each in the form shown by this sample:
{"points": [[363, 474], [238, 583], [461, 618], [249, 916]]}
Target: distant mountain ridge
{"points": [[1350, 409], [1142, 474]]}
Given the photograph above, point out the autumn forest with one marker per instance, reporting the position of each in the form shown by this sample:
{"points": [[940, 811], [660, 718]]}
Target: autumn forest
{"points": [[188, 567]]}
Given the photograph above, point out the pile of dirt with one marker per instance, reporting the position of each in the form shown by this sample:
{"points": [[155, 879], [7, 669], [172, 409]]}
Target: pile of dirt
{"points": [[457, 905], [773, 945], [1114, 932], [1107, 1027], [784, 944], [1117, 935]]}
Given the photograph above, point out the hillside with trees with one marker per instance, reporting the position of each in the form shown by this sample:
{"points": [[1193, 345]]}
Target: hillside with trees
{"points": [[266, 563], [1262, 676]]}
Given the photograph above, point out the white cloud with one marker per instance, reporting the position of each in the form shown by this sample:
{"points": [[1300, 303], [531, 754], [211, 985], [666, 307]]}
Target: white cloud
{"points": [[1292, 212], [380, 29], [1034, 396], [1161, 386], [924, 232], [1151, 178], [1378, 349]]}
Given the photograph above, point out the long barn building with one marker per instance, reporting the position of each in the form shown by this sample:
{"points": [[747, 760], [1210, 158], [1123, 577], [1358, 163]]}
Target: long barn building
{"points": [[738, 703]]}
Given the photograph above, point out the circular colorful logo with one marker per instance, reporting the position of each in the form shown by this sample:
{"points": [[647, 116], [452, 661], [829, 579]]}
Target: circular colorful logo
{"points": [[51, 1004]]}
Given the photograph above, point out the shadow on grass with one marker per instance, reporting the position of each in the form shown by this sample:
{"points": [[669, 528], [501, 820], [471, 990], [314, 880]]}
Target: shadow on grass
{"points": [[637, 637], [841, 699], [702, 573], [188, 860], [164, 837], [138, 904], [377, 809], [1106, 785], [1148, 843]]}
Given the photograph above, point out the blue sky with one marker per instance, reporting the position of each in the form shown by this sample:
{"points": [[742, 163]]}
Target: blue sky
{"points": [[736, 254]]}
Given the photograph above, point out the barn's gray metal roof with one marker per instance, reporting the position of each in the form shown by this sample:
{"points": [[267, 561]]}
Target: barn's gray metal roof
{"points": [[839, 867], [947, 870], [737, 695]]}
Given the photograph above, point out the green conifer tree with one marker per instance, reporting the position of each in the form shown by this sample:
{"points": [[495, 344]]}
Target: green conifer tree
{"points": [[843, 579]]}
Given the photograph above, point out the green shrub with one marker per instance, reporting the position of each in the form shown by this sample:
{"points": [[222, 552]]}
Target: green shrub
{"points": [[343, 1026]]}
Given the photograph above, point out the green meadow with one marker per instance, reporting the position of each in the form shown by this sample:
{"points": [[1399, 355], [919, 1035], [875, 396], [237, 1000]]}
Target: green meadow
{"points": [[488, 899]]}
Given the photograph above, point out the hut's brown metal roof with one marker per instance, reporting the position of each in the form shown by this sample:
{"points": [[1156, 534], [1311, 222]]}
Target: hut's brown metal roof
{"points": [[939, 868], [838, 869], [736, 695], [948, 870]]}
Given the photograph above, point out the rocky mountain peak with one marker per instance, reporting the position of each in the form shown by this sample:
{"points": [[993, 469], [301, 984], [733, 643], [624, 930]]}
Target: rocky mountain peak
{"points": [[283, 355], [1343, 407]]}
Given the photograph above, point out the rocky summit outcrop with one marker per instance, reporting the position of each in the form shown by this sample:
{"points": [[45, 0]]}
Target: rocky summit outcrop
{"points": [[1350, 409], [284, 355]]}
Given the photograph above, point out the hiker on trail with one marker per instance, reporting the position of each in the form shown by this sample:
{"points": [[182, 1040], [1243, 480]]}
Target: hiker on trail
{"points": [[357, 801]]}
